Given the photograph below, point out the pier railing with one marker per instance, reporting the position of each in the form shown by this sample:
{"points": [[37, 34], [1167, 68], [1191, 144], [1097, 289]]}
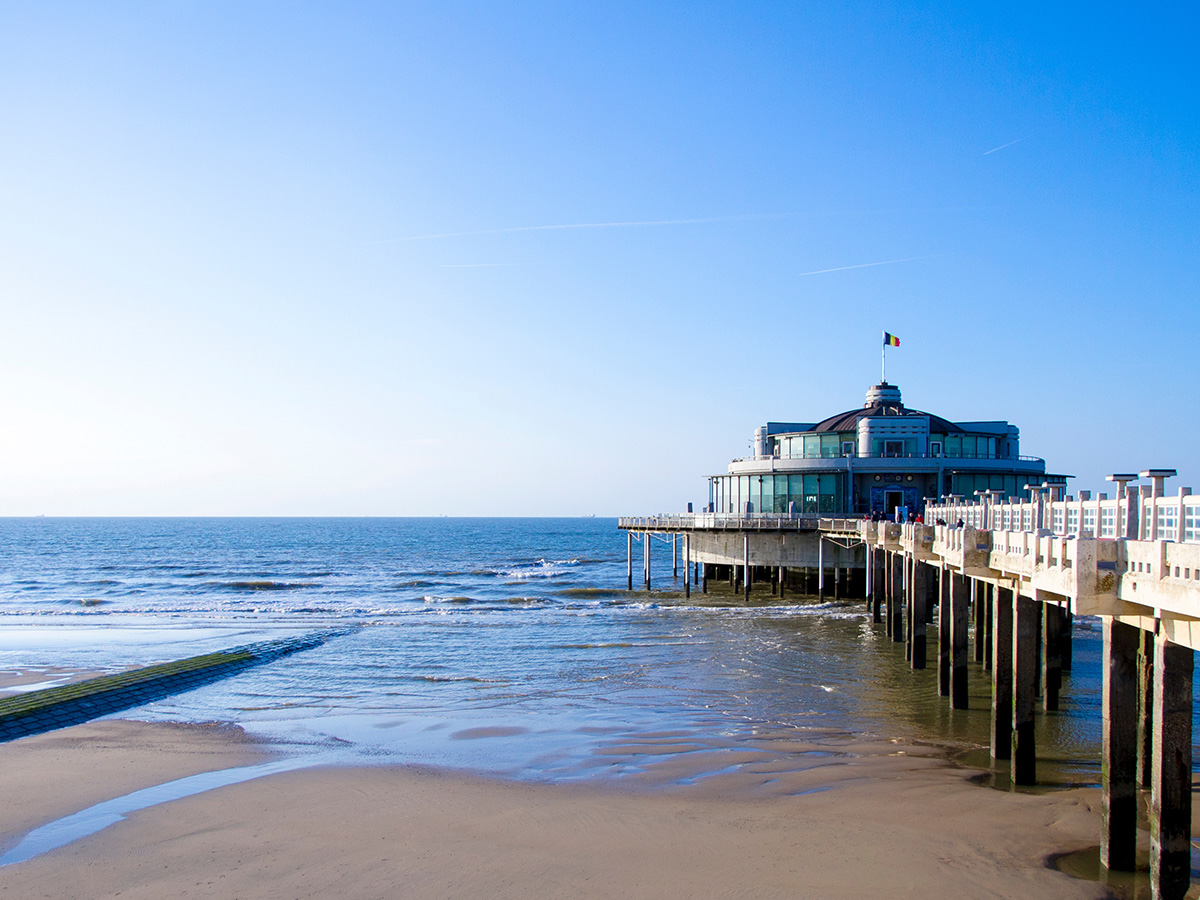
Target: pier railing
{"points": [[721, 522], [1136, 516]]}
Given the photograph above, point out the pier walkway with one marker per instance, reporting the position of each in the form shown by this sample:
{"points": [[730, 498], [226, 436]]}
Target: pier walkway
{"points": [[1022, 570]]}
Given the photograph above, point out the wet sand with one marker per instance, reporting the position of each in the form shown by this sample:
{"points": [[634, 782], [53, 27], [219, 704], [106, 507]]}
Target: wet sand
{"points": [[886, 820]]}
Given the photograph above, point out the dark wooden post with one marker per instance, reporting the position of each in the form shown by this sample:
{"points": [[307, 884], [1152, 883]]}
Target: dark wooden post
{"points": [[1118, 749], [898, 597], [960, 592], [978, 598], [1002, 682], [989, 617], [1171, 779], [1051, 656], [1024, 664], [878, 584], [944, 632], [1067, 639], [1145, 707], [919, 592]]}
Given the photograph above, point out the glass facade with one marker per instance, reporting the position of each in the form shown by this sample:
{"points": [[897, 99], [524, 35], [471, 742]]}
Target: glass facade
{"points": [[834, 444], [969, 446], [819, 493]]}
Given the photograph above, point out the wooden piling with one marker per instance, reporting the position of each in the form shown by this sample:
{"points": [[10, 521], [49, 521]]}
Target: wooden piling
{"points": [[1118, 746], [646, 558], [920, 597], [1052, 656], [1171, 778], [629, 560], [687, 565], [898, 597], [979, 603], [989, 617], [878, 584], [1145, 713], [1023, 768], [943, 632], [1002, 680], [960, 592]]}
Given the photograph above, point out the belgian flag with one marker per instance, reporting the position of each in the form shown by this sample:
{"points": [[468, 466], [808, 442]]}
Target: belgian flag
{"points": [[890, 340]]}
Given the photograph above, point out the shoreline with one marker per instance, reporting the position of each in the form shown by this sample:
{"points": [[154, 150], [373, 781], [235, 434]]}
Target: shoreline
{"points": [[887, 816]]}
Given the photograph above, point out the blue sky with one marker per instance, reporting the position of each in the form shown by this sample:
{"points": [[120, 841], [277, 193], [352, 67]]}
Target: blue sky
{"points": [[293, 258]]}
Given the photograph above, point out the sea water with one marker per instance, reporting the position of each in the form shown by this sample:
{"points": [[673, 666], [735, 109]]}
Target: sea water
{"points": [[500, 645]]}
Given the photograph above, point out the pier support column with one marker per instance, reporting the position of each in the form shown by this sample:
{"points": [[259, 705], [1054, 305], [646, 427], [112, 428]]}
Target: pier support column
{"points": [[782, 580], [1067, 638], [889, 620], [943, 632], [898, 597], [919, 590], [979, 599], [1118, 746], [746, 558], [1145, 712], [704, 578], [878, 584], [629, 560], [646, 558], [989, 617], [1024, 664], [960, 593], [909, 608], [1002, 680], [869, 572], [820, 567], [1171, 778], [1052, 656], [675, 556], [687, 565]]}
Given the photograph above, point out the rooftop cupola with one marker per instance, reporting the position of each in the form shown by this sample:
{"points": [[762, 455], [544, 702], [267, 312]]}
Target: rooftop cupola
{"points": [[883, 394]]}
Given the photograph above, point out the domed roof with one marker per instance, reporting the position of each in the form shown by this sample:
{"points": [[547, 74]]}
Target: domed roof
{"points": [[883, 399]]}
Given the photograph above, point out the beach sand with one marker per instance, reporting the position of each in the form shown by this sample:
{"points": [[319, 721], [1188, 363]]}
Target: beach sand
{"points": [[887, 820]]}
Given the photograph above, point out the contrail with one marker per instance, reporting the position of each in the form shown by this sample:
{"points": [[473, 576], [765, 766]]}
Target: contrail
{"points": [[886, 262], [1002, 146], [453, 234]]}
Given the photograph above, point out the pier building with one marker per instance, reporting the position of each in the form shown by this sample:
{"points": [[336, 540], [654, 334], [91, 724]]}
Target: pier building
{"points": [[874, 459]]}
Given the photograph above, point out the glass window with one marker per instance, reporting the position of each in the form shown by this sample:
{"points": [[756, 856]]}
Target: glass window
{"points": [[795, 490], [811, 493], [766, 487], [812, 446], [830, 446], [954, 445], [781, 493], [935, 448]]}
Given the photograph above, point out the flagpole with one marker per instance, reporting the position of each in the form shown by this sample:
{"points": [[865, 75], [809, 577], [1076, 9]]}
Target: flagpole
{"points": [[883, 362]]}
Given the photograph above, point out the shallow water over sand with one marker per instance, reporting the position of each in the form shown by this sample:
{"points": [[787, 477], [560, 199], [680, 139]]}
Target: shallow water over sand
{"points": [[502, 645]]}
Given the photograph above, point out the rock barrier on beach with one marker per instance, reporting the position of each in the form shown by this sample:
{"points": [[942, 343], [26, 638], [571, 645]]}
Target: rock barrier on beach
{"points": [[57, 707]]}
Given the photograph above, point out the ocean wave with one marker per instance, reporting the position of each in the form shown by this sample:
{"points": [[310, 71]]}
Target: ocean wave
{"points": [[262, 585]]}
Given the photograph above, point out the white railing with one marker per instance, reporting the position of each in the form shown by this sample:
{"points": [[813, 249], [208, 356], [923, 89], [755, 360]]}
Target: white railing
{"points": [[1137, 516], [721, 521]]}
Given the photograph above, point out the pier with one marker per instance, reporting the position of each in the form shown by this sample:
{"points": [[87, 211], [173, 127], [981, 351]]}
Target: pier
{"points": [[1019, 571]]}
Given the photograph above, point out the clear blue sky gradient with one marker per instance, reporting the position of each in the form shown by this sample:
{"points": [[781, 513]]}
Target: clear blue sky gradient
{"points": [[289, 258]]}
